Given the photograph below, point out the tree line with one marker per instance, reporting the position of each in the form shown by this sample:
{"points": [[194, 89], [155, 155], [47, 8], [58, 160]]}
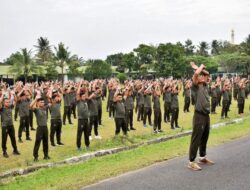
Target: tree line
{"points": [[166, 59]]}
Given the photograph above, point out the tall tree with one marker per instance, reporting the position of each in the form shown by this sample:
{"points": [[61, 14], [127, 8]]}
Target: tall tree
{"points": [[215, 47], [97, 69], [189, 47], [44, 52], [146, 54], [23, 64], [203, 48], [130, 61], [62, 57]]}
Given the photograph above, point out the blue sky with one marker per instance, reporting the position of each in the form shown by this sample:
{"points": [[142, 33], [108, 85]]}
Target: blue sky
{"points": [[97, 28]]}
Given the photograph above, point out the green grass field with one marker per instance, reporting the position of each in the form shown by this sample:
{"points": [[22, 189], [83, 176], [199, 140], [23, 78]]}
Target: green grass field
{"points": [[75, 176], [108, 141]]}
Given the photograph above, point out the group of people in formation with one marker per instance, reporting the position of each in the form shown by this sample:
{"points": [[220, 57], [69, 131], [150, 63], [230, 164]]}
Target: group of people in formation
{"points": [[83, 100]]}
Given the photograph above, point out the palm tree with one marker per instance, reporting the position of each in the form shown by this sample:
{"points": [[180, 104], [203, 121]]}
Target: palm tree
{"points": [[24, 64], [63, 57], [215, 47], [203, 48], [44, 52]]}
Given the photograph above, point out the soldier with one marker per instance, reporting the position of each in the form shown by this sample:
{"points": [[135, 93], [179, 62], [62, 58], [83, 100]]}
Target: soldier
{"points": [[140, 103], [56, 120], [157, 109], [99, 103], [201, 119], [167, 101], [241, 97], [213, 94], [67, 105], [6, 107], [40, 110], [147, 105], [129, 107], [225, 100], [187, 95], [120, 122], [93, 111], [24, 110], [174, 106], [110, 103], [83, 116]]}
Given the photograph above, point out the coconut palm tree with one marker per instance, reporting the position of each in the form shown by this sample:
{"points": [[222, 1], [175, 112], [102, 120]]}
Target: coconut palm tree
{"points": [[203, 48], [43, 48], [23, 64]]}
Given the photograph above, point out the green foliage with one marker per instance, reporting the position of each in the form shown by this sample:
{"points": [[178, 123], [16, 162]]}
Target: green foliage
{"points": [[169, 60], [234, 62], [203, 48], [51, 72], [97, 69], [44, 52], [122, 77], [146, 54], [24, 65]]}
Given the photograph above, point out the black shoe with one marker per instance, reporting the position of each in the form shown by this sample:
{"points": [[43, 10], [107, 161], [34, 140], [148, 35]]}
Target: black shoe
{"points": [[32, 129], [132, 128], [28, 139], [60, 144], [53, 144], [15, 152], [20, 140], [5, 155], [160, 131], [35, 159], [177, 126], [46, 158], [70, 123], [172, 128]]}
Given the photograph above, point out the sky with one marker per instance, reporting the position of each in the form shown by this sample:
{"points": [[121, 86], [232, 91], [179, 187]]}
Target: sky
{"points": [[97, 28]]}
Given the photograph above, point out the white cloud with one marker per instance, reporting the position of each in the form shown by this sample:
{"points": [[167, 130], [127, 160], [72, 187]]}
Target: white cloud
{"points": [[96, 28]]}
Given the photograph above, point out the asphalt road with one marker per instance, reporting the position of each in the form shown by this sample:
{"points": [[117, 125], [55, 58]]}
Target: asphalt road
{"points": [[230, 172]]}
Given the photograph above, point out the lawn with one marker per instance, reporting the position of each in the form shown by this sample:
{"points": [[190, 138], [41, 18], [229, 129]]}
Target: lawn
{"points": [[106, 131]]}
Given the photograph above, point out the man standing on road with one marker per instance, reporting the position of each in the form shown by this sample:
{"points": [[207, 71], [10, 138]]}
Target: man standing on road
{"points": [[201, 119]]}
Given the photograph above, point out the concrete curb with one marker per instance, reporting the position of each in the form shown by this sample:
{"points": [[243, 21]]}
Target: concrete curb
{"points": [[87, 156]]}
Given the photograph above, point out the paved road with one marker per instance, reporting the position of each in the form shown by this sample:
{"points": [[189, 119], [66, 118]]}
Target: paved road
{"points": [[231, 172]]}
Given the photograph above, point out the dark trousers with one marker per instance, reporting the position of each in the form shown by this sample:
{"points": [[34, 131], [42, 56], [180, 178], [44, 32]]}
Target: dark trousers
{"points": [[225, 106], [175, 115], [67, 112], [213, 104], [24, 124], [8, 130], [83, 127], [186, 104], [129, 118], [167, 111], [31, 118], [99, 115], [218, 100], [16, 112], [111, 109], [73, 109], [157, 119], [120, 123], [241, 104], [200, 134], [55, 128], [147, 113], [140, 112], [41, 135], [93, 120]]}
